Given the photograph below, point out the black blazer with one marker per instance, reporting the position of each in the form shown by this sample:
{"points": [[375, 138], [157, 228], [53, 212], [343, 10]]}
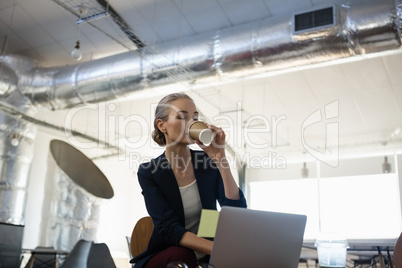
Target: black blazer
{"points": [[164, 204]]}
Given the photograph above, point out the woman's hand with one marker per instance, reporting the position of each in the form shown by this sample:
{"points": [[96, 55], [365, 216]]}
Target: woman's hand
{"points": [[216, 149], [190, 240]]}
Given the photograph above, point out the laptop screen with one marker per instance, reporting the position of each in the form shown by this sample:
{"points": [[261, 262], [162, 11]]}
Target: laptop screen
{"points": [[253, 238]]}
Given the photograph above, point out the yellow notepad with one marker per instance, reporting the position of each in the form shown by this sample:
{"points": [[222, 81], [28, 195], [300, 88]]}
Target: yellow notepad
{"points": [[208, 223]]}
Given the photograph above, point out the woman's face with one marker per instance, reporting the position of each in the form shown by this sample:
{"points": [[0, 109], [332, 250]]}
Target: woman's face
{"points": [[182, 113]]}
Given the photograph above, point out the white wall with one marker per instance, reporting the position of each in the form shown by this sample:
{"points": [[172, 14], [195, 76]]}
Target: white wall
{"points": [[36, 190]]}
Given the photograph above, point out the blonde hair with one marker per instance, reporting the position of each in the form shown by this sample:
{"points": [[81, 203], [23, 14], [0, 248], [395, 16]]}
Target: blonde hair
{"points": [[162, 112]]}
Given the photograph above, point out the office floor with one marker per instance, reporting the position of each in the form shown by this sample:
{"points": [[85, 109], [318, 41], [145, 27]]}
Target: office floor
{"points": [[122, 263]]}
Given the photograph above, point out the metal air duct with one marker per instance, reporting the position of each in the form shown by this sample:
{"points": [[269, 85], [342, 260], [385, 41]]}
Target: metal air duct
{"points": [[360, 27], [8, 80], [16, 152]]}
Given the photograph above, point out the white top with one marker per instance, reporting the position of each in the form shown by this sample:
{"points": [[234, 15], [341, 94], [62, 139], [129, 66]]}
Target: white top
{"points": [[192, 209], [191, 205]]}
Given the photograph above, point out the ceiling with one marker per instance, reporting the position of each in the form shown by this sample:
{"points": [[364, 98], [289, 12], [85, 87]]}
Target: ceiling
{"points": [[45, 31], [366, 89]]}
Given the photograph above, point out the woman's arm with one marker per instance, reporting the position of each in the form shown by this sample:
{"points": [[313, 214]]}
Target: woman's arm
{"points": [[216, 151], [165, 218], [194, 242], [230, 185]]}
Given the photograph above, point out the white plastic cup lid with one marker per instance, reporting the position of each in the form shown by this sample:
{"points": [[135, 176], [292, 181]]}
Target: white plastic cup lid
{"points": [[331, 238], [206, 136]]}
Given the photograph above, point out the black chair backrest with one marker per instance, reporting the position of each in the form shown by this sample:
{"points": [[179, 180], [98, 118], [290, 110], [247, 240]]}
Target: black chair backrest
{"points": [[100, 257], [78, 256]]}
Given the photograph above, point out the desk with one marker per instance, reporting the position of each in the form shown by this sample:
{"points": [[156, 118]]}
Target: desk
{"points": [[368, 252], [359, 250], [309, 256], [362, 247]]}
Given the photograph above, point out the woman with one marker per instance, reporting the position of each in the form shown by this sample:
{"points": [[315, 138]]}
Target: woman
{"points": [[180, 182]]}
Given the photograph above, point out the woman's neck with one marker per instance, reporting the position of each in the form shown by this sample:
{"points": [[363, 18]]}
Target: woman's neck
{"points": [[178, 156]]}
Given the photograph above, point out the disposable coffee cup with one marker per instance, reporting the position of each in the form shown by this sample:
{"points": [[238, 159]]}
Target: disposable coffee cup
{"points": [[200, 132], [331, 250]]}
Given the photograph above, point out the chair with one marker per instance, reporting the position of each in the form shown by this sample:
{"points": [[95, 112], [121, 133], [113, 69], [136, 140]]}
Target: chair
{"points": [[381, 258], [79, 255], [90, 255], [42, 257], [397, 256], [100, 257], [140, 236]]}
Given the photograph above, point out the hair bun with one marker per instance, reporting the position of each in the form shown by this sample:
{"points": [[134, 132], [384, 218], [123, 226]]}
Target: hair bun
{"points": [[158, 137]]}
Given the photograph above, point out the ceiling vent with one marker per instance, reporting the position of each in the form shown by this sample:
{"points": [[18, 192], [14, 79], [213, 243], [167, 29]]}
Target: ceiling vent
{"points": [[314, 19]]}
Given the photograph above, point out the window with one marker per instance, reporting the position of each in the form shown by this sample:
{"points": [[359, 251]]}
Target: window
{"points": [[291, 196], [361, 207]]}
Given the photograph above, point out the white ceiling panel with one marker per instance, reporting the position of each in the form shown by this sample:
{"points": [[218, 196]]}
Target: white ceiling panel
{"points": [[55, 51], [366, 75], [146, 33], [53, 11], [398, 97], [351, 120], [16, 16], [326, 81], [57, 30], [279, 8], [378, 107], [133, 17], [291, 86], [172, 28], [392, 65], [235, 10], [15, 43], [298, 110], [158, 10], [274, 110], [36, 36], [208, 20], [190, 6], [253, 99]]}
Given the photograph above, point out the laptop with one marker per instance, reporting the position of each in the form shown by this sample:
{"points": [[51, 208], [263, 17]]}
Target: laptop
{"points": [[253, 238]]}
